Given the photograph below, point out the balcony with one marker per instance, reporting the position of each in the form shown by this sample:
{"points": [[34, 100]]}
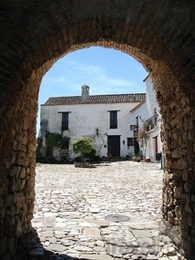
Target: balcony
{"points": [[151, 123]]}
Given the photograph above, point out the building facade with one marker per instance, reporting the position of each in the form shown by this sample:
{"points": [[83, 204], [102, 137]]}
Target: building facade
{"points": [[148, 122], [104, 118], [154, 122], [112, 121]]}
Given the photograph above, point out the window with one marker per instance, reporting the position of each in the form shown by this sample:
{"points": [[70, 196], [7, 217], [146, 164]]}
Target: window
{"points": [[113, 119], [65, 121], [130, 141]]}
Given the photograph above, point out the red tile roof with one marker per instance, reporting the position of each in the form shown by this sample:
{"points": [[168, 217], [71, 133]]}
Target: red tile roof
{"points": [[95, 99]]}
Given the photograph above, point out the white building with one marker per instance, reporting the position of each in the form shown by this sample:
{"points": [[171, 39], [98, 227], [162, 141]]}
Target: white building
{"points": [[104, 118], [110, 120], [153, 118]]}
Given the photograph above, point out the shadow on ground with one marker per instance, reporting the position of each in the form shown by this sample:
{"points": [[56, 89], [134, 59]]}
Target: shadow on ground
{"points": [[30, 248]]}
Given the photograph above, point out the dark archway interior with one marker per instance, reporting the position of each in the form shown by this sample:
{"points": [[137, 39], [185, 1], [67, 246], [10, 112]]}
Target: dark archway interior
{"points": [[35, 34]]}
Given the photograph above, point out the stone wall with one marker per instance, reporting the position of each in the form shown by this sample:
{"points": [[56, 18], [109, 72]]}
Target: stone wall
{"points": [[17, 178], [36, 34], [177, 109]]}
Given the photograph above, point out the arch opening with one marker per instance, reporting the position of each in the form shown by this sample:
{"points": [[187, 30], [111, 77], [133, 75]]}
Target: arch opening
{"points": [[170, 67], [79, 213]]}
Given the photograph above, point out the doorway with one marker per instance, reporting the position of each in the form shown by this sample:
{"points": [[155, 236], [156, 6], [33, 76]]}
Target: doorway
{"points": [[114, 146]]}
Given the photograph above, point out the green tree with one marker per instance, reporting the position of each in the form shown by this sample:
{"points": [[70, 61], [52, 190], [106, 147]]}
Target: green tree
{"points": [[83, 145]]}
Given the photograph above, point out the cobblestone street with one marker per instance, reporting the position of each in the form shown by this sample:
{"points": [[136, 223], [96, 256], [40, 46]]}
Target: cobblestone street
{"points": [[111, 211]]}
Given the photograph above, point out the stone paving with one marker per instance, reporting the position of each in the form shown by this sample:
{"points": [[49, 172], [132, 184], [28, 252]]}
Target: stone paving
{"points": [[74, 206]]}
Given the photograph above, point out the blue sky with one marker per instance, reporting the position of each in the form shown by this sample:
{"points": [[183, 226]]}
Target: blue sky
{"points": [[105, 71]]}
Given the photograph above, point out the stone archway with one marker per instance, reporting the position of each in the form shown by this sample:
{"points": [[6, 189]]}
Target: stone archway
{"points": [[35, 34]]}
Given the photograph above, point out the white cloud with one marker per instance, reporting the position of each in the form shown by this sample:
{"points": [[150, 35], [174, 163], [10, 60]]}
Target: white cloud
{"points": [[76, 74], [67, 76], [96, 76], [84, 67]]}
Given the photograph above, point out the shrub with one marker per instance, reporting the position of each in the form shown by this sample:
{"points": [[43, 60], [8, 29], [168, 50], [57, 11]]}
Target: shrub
{"points": [[136, 158], [82, 146]]}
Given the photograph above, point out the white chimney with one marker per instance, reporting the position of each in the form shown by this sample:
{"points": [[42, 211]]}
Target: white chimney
{"points": [[84, 93]]}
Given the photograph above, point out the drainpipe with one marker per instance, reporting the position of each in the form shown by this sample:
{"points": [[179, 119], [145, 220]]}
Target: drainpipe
{"points": [[137, 122]]}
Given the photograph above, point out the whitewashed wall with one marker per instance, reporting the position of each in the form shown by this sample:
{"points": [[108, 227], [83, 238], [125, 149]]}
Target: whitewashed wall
{"points": [[139, 112], [144, 112], [86, 118], [151, 104]]}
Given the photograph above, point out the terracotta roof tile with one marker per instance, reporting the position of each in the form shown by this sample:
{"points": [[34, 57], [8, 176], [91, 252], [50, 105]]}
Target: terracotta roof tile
{"points": [[95, 99]]}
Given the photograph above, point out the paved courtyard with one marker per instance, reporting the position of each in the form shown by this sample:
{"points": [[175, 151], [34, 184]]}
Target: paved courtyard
{"points": [[109, 212]]}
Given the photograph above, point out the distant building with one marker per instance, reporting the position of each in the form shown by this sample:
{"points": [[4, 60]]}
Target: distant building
{"points": [[148, 113], [110, 120], [153, 117]]}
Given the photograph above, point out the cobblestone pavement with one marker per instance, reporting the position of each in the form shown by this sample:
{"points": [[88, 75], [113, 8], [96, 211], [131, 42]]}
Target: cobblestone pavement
{"points": [[108, 212]]}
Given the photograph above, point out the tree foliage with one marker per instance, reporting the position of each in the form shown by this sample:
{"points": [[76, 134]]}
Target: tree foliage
{"points": [[53, 139], [44, 152], [83, 145]]}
